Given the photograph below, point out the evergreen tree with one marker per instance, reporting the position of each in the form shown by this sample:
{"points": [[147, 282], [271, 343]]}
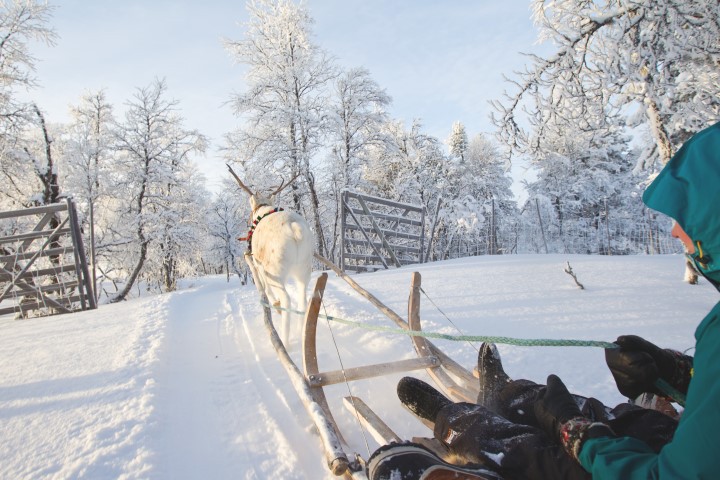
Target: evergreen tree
{"points": [[458, 141], [478, 202]]}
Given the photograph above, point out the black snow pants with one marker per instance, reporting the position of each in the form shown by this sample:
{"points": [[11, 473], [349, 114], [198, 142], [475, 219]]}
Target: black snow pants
{"points": [[509, 434]]}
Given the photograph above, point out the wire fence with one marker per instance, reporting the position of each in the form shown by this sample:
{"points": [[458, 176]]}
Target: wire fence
{"points": [[618, 237]]}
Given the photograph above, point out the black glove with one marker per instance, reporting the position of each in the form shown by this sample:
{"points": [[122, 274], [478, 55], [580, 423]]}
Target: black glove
{"points": [[638, 364], [558, 414], [556, 407], [471, 431]]}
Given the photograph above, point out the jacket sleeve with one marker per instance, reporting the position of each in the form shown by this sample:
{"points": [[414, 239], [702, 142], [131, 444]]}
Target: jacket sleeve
{"points": [[624, 457], [692, 453]]}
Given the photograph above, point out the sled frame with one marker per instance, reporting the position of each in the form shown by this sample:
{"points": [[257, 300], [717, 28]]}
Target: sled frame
{"points": [[451, 378]]}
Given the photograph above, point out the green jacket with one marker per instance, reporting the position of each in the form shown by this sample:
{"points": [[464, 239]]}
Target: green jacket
{"points": [[688, 190]]}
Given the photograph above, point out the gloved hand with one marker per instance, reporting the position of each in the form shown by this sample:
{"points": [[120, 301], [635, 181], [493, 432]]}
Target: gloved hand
{"points": [[471, 432], [559, 416], [555, 407], [637, 365]]}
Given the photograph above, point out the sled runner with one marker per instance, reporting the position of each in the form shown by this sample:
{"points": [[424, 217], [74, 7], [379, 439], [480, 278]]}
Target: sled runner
{"points": [[456, 382]]}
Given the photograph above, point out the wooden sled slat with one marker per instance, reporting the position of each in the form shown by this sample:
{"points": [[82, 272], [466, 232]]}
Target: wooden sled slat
{"points": [[371, 421], [369, 371], [335, 456], [451, 388]]}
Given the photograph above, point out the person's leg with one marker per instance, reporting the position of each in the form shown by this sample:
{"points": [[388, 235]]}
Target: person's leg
{"points": [[470, 432], [515, 399], [475, 436]]}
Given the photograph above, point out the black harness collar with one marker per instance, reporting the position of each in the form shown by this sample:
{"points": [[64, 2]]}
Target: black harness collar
{"points": [[255, 223]]}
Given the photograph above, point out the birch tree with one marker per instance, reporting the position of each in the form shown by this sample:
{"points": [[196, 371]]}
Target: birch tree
{"points": [[154, 148], [356, 114], [227, 221], [355, 119], [283, 107], [407, 167], [21, 22], [658, 58], [33, 178], [87, 147]]}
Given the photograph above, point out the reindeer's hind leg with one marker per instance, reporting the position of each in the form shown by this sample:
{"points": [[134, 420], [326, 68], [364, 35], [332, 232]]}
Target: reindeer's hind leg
{"points": [[302, 286], [268, 289], [279, 292]]}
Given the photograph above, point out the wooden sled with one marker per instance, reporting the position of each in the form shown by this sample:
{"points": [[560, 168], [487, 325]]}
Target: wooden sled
{"points": [[456, 382]]}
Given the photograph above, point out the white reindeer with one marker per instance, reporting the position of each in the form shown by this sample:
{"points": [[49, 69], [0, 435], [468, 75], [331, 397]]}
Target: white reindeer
{"points": [[282, 247]]}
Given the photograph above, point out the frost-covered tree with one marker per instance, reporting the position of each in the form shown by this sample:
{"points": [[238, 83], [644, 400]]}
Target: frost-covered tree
{"points": [[584, 181], [458, 141], [654, 60], [87, 154], [87, 146], [478, 202], [355, 118], [33, 173], [228, 217], [154, 150], [356, 114], [181, 221], [284, 104], [21, 22], [408, 167]]}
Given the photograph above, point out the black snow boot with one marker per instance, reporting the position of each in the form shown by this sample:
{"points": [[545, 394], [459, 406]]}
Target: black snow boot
{"points": [[492, 376], [411, 461], [420, 398]]}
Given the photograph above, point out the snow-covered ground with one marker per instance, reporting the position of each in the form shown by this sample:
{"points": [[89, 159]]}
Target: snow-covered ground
{"points": [[187, 386]]}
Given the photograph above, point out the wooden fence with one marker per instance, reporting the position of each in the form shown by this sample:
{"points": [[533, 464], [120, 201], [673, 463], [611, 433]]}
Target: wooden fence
{"points": [[378, 233], [43, 268]]}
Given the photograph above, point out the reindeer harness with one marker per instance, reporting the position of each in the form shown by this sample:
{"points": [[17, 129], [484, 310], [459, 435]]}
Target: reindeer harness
{"points": [[255, 223]]}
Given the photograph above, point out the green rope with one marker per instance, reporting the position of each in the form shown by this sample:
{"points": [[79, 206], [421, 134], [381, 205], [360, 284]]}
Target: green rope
{"points": [[522, 342], [662, 385]]}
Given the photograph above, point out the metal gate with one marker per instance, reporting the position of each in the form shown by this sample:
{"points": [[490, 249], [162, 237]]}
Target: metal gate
{"points": [[378, 233], [43, 267]]}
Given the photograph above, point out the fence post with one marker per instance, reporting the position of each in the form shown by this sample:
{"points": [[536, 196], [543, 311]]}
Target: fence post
{"points": [[83, 274], [542, 230], [432, 229], [607, 227]]}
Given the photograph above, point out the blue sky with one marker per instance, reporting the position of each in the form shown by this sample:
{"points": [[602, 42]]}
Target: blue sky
{"points": [[441, 61]]}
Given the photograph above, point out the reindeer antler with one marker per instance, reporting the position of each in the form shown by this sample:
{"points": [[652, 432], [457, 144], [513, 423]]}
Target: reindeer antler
{"points": [[283, 185], [242, 185]]}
